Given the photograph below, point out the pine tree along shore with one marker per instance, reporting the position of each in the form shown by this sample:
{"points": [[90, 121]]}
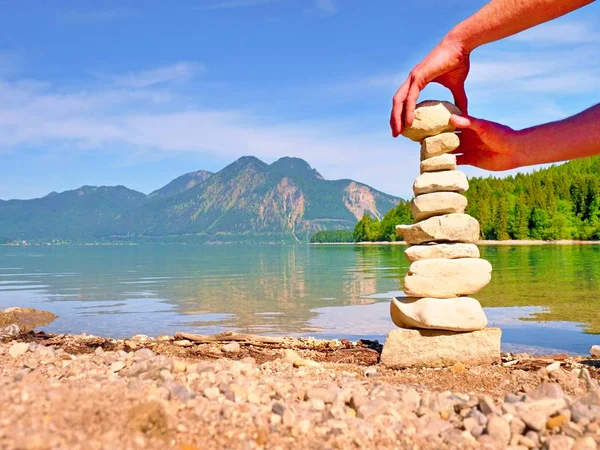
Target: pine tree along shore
{"points": [[558, 202]]}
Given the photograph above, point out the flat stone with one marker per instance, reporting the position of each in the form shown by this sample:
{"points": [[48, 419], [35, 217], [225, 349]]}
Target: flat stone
{"points": [[437, 204], [436, 348], [447, 181], [26, 318], [447, 278], [445, 251], [447, 228], [453, 314], [18, 349], [431, 117], [439, 145], [446, 161]]}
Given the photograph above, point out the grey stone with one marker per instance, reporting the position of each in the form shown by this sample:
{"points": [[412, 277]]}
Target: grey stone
{"points": [[479, 416], [278, 408], [143, 353], [447, 278], [320, 393], [535, 414], [533, 437], [487, 406], [512, 398], [446, 228], [548, 390], [441, 251], [439, 145], [372, 408], [469, 423], [431, 117], [436, 204], [447, 181], [499, 429], [411, 399], [446, 161], [434, 348], [454, 314], [517, 426], [436, 427], [179, 391], [232, 347]]}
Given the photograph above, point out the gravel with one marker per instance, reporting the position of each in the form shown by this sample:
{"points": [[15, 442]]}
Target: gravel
{"points": [[88, 392]]}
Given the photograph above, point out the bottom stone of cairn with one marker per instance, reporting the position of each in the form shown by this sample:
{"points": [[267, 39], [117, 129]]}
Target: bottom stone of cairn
{"points": [[436, 348]]}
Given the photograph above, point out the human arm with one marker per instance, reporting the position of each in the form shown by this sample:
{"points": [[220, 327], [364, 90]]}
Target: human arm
{"points": [[448, 63], [492, 146]]}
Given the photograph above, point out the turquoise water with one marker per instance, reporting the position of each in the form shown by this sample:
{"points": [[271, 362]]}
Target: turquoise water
{"points": [[545, 298]]}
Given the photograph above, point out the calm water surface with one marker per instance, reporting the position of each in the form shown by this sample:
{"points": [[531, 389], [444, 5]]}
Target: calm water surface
{"points": [[545, 298]]}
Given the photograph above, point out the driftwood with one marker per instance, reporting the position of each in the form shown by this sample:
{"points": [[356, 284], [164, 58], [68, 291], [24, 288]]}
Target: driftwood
{"points": [[229, 336]]}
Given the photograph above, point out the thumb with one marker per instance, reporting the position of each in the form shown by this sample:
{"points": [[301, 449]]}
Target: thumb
{"points": [[479, 126]]}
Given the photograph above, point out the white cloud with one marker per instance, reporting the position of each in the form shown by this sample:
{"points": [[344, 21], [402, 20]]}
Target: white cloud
{"points": [[179, 72], [327, 7], [41, 115]]}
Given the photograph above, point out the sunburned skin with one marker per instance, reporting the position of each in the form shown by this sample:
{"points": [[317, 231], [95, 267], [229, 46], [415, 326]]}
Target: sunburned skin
{"points": [[485, 144]]}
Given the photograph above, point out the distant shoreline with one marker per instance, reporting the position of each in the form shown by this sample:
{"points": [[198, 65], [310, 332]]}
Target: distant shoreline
{"points": [[482, 242]]}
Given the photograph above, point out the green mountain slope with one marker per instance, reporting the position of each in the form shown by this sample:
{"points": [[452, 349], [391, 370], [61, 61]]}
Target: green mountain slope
{"points": [[181, 184], [558, 202], [83, 213], [247, 200]]}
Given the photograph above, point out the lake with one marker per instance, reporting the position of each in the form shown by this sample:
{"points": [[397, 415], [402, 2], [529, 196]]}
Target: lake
{"points": [[545, 298]]}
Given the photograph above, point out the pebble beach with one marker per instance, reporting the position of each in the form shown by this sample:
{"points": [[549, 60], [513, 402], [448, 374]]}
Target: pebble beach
{"points": [[80, 391]]}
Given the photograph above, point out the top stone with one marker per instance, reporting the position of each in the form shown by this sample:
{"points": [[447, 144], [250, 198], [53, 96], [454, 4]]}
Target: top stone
{"points": [[432, 117]]}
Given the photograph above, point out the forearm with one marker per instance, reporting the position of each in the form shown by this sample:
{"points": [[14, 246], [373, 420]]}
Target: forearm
{"points": [[575, 137], [502, 18]]}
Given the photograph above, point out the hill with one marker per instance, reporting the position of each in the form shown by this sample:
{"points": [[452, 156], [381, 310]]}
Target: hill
{"points": [[248, 200], [558, 202], [82, 213]]}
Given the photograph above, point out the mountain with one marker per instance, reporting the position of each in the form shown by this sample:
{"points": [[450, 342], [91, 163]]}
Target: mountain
{"points": [[249, 196], [83, 213], [181, 184], [247, 200]]}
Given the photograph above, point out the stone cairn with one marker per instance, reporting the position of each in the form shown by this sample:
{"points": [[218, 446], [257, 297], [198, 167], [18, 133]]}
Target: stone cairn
{"points": [[439, 325]]}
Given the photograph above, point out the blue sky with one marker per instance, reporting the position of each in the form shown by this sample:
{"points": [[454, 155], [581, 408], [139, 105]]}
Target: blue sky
{"points": [[137, 93]]}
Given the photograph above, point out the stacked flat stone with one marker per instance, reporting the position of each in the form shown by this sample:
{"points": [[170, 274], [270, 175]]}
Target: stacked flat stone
{"points": [[439, 324]]}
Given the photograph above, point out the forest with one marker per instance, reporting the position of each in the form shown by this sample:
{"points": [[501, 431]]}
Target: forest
{"points": [[557, 202]]}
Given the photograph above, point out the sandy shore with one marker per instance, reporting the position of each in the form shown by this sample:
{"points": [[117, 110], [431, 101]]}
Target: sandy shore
{"points": [[91, 392], [482, 242]]}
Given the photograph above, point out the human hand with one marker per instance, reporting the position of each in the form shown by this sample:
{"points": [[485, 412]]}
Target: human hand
{"points": [[447, 64], [487, 145]]}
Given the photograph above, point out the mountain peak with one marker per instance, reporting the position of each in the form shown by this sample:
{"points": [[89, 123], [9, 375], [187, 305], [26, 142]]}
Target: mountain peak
{"points": [[182, 184], [247, 160], [295, 166]]}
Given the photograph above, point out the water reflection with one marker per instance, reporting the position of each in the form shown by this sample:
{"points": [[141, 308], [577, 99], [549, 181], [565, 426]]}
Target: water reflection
{"points": [[327, 290]]}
